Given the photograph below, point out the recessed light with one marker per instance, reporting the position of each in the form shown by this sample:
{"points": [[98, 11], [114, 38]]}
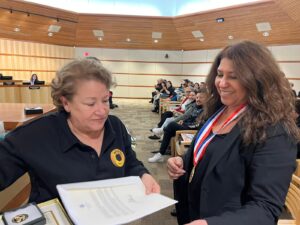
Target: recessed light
{"points": [[128, 39], [230, 37], [100, 38], [50, 34], [155, 41], [201, 39], [17, 29], [265, 34]]}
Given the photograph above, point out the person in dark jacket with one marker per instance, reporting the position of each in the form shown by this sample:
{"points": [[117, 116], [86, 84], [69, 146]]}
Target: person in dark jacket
{"points": [[239, 166], [80, 142]]}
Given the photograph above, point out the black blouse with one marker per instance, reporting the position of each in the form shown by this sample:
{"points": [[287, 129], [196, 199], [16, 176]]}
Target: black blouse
{"points": [[194, 187]]}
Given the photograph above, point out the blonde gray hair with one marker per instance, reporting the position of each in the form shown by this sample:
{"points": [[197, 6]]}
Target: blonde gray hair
{"points": [[69, 77]]}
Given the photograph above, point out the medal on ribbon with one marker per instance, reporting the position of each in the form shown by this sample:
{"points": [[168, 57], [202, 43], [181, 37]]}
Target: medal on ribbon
{"points": [[205, 135]]}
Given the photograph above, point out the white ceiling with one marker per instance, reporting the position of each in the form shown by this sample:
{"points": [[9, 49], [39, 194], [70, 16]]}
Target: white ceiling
{"points": [[141, 7]]}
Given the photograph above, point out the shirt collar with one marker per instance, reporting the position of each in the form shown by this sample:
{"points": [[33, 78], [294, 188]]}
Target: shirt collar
{"points": [[68, 139]]}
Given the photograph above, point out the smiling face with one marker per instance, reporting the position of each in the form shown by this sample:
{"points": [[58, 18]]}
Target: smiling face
{"points": [[89, 106], [232, 93]]}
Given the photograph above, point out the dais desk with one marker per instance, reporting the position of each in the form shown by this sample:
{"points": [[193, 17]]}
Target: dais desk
{"points": [[25, 94], [13, 114]]}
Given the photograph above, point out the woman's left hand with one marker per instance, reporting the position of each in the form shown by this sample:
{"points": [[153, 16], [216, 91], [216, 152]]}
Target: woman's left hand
{"points": [[150, 184], [198, 222]]}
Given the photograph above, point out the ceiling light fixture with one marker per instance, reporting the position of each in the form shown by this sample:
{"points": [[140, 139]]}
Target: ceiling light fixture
{"points": [[265, 26], [156, 35], [230, 37], [197, 34], [201, 39], [54, 28], [50, 34], [98, 33], [155, 41], [128, 39], [266, 34], [17, 29], [100, 38]]}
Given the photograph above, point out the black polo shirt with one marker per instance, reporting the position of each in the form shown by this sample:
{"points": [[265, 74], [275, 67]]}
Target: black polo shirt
{"points": [[48, 150]]}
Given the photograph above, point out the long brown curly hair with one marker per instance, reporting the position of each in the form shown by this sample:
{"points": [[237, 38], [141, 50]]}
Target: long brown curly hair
{"points": [[270, 98]]}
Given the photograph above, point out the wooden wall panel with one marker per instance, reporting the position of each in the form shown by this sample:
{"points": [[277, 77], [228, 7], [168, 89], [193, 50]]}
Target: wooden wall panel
{"points": [[42, 95], [176, 31], [21, 59], [9, 94]]}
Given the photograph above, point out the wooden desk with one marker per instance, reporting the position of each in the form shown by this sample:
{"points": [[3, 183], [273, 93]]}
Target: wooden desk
{"points": [[13, 114], [25, 94]]}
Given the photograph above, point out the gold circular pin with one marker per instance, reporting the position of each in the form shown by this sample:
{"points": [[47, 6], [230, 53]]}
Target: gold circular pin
{"points": [[19, 218], [117, 157]]}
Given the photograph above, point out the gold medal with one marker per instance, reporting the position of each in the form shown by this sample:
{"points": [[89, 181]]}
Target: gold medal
{"points": [[192, 174], [19, 218]]}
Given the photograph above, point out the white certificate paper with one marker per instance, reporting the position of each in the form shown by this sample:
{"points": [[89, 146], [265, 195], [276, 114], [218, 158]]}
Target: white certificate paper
{"points": [[110, 202]]}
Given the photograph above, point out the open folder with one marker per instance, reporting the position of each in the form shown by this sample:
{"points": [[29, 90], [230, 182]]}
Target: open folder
{"points": [[113, 201]]}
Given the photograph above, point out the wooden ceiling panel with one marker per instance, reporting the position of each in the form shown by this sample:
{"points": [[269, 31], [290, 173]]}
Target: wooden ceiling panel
{"points": [[76, 29], [240, 22], [117, 28], [291, 7]]}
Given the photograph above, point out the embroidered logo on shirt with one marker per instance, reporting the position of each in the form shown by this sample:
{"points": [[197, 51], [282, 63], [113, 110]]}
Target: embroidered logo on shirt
{"points": [[117, 157]]}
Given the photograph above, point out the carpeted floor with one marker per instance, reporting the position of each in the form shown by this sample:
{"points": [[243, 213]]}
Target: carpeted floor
{"points": [[138, 118]]}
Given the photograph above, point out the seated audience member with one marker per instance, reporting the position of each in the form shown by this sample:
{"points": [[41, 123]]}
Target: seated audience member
{"points": [[239, 166], [177, 110], [157, 87], [111, 104], [202, 85], [81, 142], [184, 84], [159, 130], [167, 91], [292, 87], [188, 123], [196, 87]]}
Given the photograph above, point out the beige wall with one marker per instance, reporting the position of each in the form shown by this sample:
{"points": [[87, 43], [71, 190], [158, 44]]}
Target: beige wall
{"points": [[135, 71], [21, 59]]}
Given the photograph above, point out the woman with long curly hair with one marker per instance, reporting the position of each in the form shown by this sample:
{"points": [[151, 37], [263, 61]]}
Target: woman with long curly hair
{"points": [[240, 164]]}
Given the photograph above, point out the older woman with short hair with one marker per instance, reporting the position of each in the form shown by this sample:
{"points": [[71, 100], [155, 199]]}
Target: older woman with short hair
{"points": [[80, 142]]}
